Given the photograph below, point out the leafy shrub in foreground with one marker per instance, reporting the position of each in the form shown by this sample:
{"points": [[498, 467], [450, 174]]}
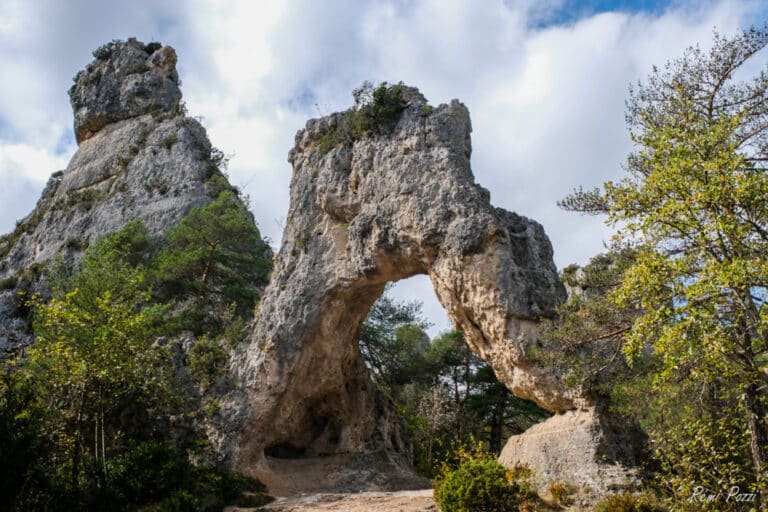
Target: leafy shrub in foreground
{"points": [[478, 485], [626, 503]]}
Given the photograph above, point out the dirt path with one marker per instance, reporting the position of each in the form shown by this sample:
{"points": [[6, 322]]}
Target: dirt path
{"points": [[401, 501]]}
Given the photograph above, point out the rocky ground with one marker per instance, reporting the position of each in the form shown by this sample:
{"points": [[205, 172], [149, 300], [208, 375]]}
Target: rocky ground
{"points": [[401, 501]]}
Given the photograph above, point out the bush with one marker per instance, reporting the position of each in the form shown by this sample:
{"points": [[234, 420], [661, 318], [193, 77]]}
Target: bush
{"points": [[159, 477], [561, 493], [627, 503], [478, 485], [24, 484], [148, 471], [170, 140], [207, 360], [375, 109], [8, 283], [104, 51], [152, 47]]}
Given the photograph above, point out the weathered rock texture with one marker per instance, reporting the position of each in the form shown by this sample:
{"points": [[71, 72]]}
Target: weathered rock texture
{"points": [[364, 214], [125, 81], [139, 157], [599, 452]]}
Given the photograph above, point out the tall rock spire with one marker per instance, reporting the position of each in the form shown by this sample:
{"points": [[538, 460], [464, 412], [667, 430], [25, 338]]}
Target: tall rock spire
{"points": [[139, 157], [126, 80]]}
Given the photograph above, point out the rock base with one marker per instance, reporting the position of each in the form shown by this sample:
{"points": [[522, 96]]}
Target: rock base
{"points": [[341, 473], [594, 452]]}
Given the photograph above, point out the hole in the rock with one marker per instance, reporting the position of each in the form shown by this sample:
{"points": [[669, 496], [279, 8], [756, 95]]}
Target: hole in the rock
{"points": [[420, 288], [285, 451], [435, 381]]}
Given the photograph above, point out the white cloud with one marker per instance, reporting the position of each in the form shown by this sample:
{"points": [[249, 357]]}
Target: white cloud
{"points": [[546, 101], [24, 169]]}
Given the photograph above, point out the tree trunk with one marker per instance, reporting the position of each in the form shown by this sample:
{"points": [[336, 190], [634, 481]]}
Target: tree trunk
{"points": [[758, 438], [497, 424]]}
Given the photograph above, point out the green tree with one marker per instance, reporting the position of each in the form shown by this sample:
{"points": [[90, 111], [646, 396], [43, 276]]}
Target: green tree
{"points": [[215, 258], [586, 340], [449, 396], [24, 450], [393, 343], [693, 204], [85, 417], [93, 363], [487, 409]]}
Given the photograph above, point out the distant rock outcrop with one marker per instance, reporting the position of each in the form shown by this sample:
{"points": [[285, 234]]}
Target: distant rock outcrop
{"points": [[400, 202], [139, 157]]}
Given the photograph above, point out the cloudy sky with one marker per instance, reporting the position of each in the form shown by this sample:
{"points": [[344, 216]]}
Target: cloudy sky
{"points": [[544, 80]]}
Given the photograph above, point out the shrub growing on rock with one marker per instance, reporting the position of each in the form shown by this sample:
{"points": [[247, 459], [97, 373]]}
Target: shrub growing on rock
{"points": [[376, 108]]}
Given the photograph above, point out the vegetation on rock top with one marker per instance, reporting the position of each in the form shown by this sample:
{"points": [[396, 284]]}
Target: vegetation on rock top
{"points": [[375, 109]]}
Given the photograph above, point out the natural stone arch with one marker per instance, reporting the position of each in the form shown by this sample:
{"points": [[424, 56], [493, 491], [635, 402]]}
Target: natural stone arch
{"points": [[382, 209]]}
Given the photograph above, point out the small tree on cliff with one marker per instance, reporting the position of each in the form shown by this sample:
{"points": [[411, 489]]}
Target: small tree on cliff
{"points": [[215, 259], [694, 205]]}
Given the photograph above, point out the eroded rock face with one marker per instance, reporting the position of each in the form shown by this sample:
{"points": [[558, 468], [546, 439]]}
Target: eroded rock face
{"points": [[599, 452], [127, 79], [381, 209], [137, 165]]}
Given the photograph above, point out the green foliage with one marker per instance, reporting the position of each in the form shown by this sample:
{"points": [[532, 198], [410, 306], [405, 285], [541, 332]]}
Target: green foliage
{"points": [[375, 109], [139, 68], [627, 503], [94, 78], [81, 199], [23, 448], [479, 483], [215, 258], [587, 338], [147, 471], [152, 47], [693, 208], [156, 475], [393, 342], [169, 141], [93, 357], [84, 419], [591, 201], [207, 360], [104, 51], [8, 283], [447, 395], [696, 199]]}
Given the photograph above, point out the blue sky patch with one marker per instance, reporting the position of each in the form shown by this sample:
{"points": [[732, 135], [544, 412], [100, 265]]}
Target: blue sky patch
{"points": [[574, 10]]}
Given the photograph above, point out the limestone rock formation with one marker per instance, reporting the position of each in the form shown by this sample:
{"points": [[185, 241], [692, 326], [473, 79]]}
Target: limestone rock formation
{"points": [[386, 207], [127, 79], [304, 414], [598, 451], [139, 157]]}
